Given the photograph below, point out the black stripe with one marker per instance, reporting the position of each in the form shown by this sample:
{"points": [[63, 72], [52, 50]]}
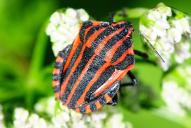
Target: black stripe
{"points": [[112, 91], [93, 106], [82, 109], [64, 53], [124, 47], [78, 49], [96, 28], [113, 41], [56, 77], [101, 80], [97, 40], [85, 58], [85, 25], [56, 89], [102, 100], [74, 57], [109, 30], [112, 94], [94, 66], [58, 65], [129, 59]]}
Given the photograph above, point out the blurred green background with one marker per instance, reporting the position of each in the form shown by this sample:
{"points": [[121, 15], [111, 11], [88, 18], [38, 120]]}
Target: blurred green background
{"points": [[26, 58]]}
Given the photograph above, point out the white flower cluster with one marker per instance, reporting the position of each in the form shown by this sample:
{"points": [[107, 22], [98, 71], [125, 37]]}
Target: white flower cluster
{"points": [[22, 119], [111, 123], [168, 31], [61, 117], [176, 91], [1, 118], [64, 26]]}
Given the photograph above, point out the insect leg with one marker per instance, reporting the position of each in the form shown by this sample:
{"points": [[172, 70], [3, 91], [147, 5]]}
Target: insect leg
{"points": [[133, 80], [141, 54], [111, 17], [114, 101]]}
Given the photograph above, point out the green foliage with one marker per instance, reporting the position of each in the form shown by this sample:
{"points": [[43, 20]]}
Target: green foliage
{"points": [[26, 59]]}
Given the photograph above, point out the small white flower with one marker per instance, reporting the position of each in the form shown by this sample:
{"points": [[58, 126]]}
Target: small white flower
{"points": [[60, 119], [160, 32], [21, 117], [154, 15], [182, 25], [98, 116], [82, 14], [164, 10], [2, 125], [169, 94], [64, 26], [79, 124], [42, 123], [66, 118], [21, 114], [176, 91], [167, 34], [46, 105], [148, 33], [175, 35], [116, 121], [183, 52], [186, 73], [33, 119]]}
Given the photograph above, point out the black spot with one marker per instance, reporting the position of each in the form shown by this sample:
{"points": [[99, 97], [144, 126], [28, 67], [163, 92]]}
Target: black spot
{"points": [[58, 65], [56, 88]]}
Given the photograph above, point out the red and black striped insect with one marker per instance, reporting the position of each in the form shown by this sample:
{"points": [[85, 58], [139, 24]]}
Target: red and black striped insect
{"points": [[87, 73]]}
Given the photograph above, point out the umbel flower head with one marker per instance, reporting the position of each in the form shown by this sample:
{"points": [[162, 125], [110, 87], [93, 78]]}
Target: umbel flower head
{"points": [[169, 33], [176, 90], [64, 26], [58, 116]]}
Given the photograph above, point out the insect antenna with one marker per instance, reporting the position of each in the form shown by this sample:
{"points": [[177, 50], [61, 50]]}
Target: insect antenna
{"points": [[153, 48], [111, 17]]}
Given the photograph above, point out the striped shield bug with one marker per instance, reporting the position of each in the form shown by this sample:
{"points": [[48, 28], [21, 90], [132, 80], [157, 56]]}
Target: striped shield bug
{"points": [[87, 73]]}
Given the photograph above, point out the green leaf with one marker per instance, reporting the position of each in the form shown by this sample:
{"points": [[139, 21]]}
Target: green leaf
{"points": [[149, 119]]}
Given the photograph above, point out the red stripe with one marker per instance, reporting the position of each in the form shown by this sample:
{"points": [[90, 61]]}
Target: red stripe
{"points": [[98, 49], [95, 78], [117, 74], [108, 56], [125, 54], [76, 44], [90, 40]]}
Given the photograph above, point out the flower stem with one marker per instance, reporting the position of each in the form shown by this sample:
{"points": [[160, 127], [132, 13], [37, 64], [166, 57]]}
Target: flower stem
{"points": [[36, 66]]}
